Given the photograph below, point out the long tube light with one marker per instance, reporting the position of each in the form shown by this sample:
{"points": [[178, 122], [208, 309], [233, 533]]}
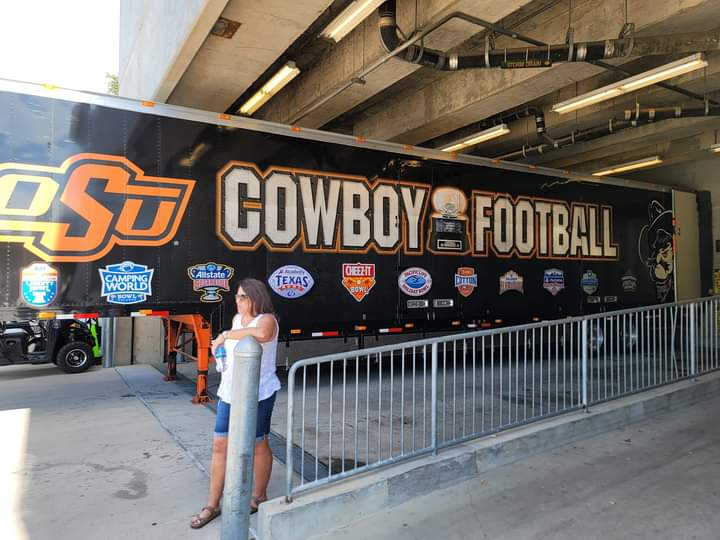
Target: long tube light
{"points": [[647, 78], [350, 17], [630, 166], [477, 138], [715, 148], [276, 83]]}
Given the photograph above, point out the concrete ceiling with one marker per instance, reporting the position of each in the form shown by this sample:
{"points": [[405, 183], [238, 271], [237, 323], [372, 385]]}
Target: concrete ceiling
{"points": [[406, 103]]}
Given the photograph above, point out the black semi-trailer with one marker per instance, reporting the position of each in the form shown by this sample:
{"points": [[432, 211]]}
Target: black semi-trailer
{"points": [[119, 207]]}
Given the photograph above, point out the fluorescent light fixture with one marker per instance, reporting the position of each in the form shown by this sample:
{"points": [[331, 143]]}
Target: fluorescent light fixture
{"points": [[654, 76], [630, 166], [350, 17], [477, 138], [715, 148], [276, 83]]}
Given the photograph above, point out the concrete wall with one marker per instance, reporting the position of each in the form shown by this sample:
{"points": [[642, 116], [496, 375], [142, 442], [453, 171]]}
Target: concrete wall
{"points": [[158, 39], [701, 175], [148, 336]]}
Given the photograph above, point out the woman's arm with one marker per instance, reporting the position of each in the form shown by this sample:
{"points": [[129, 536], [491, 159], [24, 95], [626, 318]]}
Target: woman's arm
{"points": [[263, 332]]}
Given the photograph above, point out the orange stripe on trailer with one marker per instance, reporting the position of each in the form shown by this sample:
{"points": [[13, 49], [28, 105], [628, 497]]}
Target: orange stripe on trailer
{"points": [[393, 330], [327, 333], [253, 205]]}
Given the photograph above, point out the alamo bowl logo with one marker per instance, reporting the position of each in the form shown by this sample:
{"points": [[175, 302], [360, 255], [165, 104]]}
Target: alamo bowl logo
{"points": [[210, 278], [465, 280], [291, 281], [415, 281], [358, 279], [126, 282]]}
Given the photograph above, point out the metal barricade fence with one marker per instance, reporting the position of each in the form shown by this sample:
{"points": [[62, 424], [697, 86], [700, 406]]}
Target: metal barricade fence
{"points": [[355, 411]]}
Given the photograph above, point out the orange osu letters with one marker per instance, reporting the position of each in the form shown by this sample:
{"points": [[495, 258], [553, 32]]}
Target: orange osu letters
{"points": [[79, 211]]}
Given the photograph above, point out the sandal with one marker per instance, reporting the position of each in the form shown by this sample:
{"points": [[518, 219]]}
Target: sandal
{"points": [[254, 503], [198, 522]]}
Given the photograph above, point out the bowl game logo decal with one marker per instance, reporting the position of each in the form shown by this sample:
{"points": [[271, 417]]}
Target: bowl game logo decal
{"points": [[415, 281], [554, 280], [291, 281], [511, 281], [358, 279], [210, 278], [465, 280], [39, 284], [126, 282]]}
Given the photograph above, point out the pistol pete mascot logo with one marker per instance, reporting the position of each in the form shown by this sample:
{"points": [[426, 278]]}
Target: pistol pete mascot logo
{"points": [[655, 249], [79, 211]]}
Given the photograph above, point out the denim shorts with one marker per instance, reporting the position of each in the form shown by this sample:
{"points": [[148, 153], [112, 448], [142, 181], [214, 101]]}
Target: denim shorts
{"points": [[264, 413]]}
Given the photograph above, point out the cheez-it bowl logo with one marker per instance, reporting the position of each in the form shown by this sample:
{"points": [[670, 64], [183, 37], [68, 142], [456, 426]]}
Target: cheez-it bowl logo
{"points": [[79, 211]]}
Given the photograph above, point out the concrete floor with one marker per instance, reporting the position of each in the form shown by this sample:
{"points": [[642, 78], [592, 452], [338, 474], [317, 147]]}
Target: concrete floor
{"points": [[104, 455], [658, 479]]}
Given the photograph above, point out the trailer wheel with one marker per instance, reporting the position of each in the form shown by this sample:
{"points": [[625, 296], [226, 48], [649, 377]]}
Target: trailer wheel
{"points": [[74, 357]]}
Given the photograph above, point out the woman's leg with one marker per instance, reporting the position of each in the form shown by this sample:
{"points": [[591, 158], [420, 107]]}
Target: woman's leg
{"points": [[263, 469], [217, 478], [217, 471]]}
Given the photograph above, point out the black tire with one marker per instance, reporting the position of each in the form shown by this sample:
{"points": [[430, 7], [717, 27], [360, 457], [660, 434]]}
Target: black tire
{"points": [[75, 357]]}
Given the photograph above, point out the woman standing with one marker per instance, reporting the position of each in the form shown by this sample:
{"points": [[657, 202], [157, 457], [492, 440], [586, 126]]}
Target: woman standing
{"points": [[255, 317]]}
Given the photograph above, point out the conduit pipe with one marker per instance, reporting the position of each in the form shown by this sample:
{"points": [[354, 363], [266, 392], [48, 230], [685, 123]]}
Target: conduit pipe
{"points": [[631, 118], [543, 55]]}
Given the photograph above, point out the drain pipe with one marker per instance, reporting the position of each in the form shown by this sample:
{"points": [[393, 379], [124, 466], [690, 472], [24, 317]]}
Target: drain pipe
{"points": [[543, 55], [632, 118]]}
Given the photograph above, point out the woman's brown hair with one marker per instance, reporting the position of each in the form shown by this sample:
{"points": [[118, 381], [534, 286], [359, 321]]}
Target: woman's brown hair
{"points": [[259, 296]]}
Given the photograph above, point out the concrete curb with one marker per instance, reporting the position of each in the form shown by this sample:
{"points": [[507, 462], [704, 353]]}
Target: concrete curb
{"points": [[338, 504]]}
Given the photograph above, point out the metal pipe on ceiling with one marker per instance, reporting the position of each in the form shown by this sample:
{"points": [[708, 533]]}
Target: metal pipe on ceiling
{"points": [[543, 55], [631, 118]]}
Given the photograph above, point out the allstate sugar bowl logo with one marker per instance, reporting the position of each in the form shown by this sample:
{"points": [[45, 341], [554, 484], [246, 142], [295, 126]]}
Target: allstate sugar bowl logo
{"points": [[126, 282], [291, 281], [415, 281], [210, 278]]}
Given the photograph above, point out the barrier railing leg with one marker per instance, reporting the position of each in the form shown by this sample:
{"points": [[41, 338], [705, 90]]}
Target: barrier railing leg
{"points": [[241, 440], [692, 331], [584, 364], [433, 399]]}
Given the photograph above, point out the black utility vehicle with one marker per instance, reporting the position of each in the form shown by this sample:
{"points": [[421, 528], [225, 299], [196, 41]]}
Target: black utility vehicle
{"points": [[73, 345]]}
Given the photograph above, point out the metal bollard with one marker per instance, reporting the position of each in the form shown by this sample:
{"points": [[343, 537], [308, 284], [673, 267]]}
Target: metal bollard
{"points": [[241, 440]]}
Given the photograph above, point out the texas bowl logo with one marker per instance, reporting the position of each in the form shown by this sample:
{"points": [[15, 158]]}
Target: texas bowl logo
{"points": [[126, 282], [358, 279], [465, 280], [553, 280], [291, 281], [415, 281], [210, 278]]}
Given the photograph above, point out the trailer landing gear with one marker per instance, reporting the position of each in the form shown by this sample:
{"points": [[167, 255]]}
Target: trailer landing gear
{"points": [[177, 326]]}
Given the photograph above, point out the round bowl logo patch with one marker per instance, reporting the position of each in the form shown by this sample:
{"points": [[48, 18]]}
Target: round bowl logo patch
{"points": [[39, 284], [291, 281], [415, 281]]}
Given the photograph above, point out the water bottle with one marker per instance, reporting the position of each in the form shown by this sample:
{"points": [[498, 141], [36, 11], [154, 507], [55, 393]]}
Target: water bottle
{"points": [[220, 357]]}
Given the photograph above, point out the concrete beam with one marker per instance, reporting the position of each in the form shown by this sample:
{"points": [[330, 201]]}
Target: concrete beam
{"points": [[469, 96], [362, 47], [223, 69], [159, 39]]}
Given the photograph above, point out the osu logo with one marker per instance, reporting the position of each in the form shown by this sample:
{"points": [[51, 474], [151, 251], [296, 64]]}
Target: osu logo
{"points": [[79, 211]]}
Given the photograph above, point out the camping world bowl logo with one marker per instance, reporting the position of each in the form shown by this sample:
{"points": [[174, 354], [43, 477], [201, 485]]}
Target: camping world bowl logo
{"points": [[126, 282], [210, 278], [358, 279], [465, 280], [415, 281], [291, 281], [553, 280]]}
